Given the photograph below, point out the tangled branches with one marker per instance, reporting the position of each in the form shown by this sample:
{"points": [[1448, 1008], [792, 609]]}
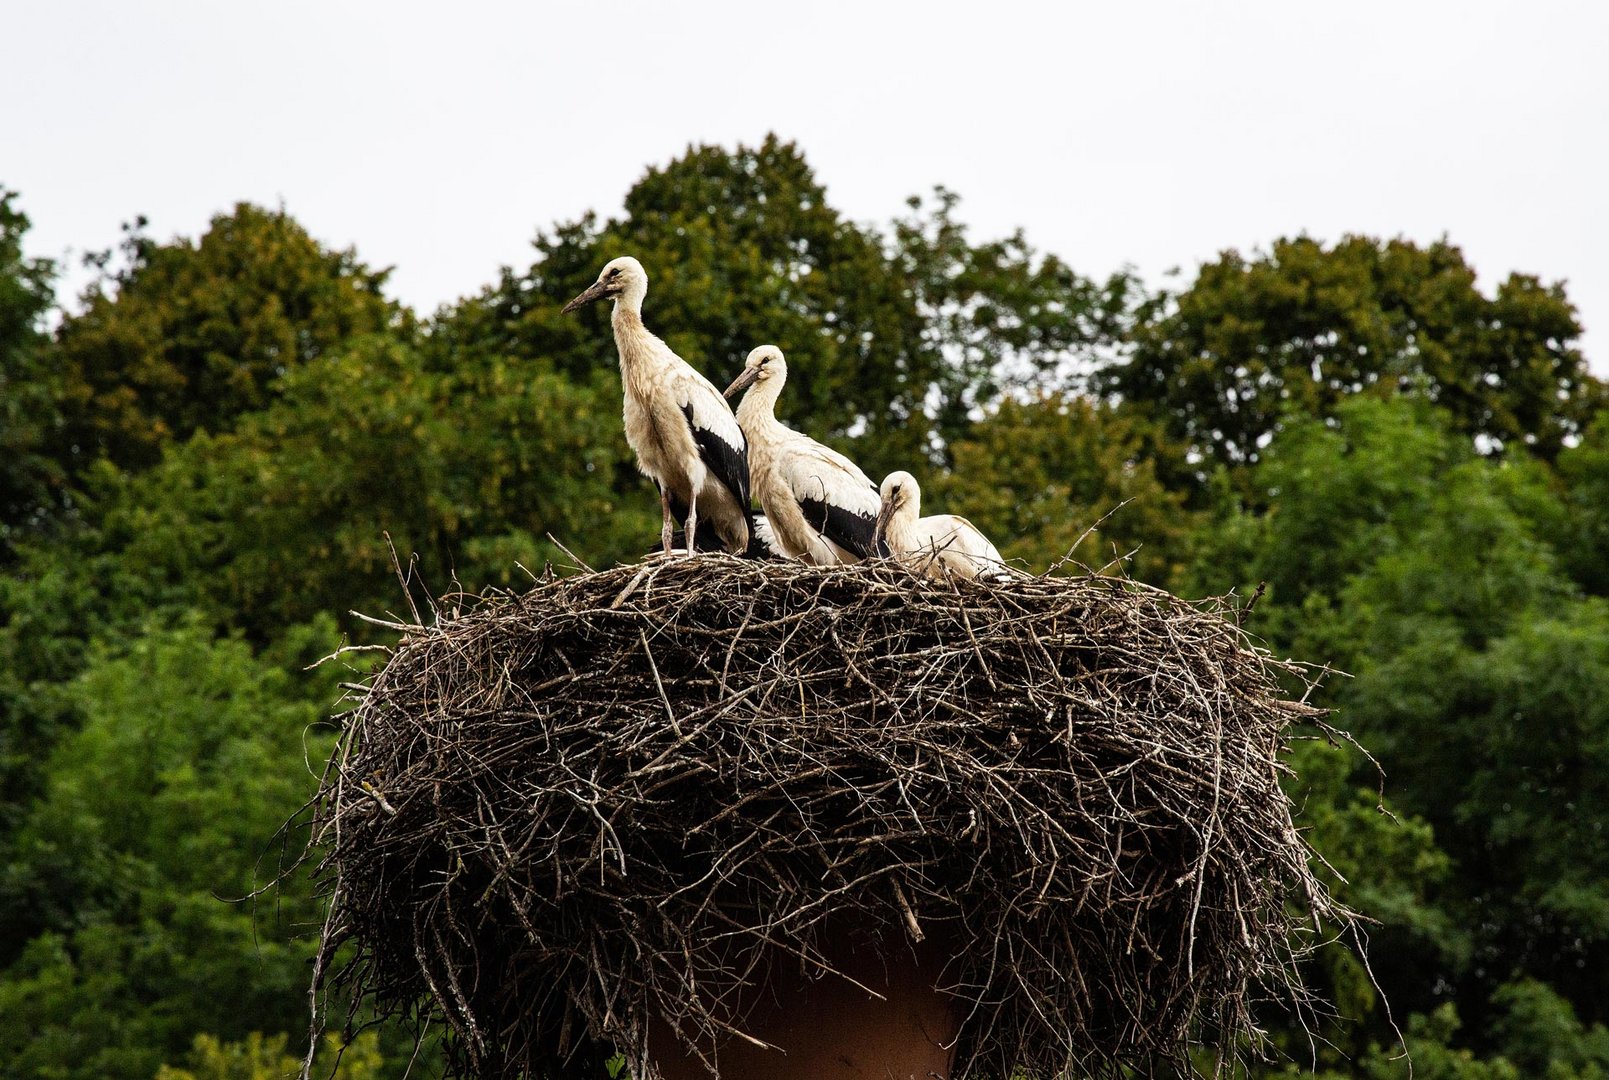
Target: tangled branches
{"points": [[563, 818]]}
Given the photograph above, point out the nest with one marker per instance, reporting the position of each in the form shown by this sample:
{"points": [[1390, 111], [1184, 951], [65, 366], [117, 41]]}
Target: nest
{"points": [[558, 819]]}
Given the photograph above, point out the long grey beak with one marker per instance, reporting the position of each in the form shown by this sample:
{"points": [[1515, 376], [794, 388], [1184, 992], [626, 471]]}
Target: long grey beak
{"points": [[595, 292], [743, 381]]}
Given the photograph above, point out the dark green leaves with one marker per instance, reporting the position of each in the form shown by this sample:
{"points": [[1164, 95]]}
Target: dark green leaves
{"points": [[1298, 329]]}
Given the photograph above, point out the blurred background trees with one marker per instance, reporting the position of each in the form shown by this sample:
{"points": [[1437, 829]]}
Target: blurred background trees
{"points": [[205, 462]]}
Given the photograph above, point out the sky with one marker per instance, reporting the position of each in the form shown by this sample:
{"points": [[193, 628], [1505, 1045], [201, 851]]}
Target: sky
{"points": [[439, 138]]}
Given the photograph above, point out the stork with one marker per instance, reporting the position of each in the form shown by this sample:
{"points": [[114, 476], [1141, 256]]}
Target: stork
{"points": [[684, 434], [937, 545], [821, 507]]}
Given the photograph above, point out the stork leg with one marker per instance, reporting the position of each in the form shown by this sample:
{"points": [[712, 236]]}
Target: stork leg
{"points": [[692, 524], [665, 529]]}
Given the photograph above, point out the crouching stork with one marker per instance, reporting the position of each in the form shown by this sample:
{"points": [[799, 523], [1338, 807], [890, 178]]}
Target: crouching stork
{"points": [[684, 434], [938, 545]]}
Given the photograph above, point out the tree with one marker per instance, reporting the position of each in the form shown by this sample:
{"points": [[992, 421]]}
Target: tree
{"points": [[1583, 530], [742, 249], [1302, 327], [288, 516], [1002, 316], [1324, 502], [186, 336], [1501, 745], [118, 948], [1392, 550], [30, 482]]}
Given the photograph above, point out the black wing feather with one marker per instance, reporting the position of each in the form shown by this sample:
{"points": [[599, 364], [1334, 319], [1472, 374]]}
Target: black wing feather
{"points": [[849, 530], [729, 464]]}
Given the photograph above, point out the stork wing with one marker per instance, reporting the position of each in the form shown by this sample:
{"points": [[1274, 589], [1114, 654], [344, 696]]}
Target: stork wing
{"points": [[837, 499], [986, 548], [967, 539], [720, 441], [762, 540]]}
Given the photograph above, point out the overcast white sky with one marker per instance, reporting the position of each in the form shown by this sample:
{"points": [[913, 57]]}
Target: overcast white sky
{"points": [[439, 137]]}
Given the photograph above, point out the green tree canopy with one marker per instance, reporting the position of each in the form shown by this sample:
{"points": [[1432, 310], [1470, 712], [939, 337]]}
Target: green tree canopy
{"points": [[1583, 531], [1301, 327], [260, 1057], [119, 942], [30, 482], [287, 516], [1393, 551], [187, 335], [1040, 474]]}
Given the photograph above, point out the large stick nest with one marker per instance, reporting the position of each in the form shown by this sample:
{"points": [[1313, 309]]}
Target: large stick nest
{"points": [[554, 819]]}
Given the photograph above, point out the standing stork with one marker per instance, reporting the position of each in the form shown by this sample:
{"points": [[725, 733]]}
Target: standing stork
{"points": [[821, 507], [937, 545], [684, 434]]}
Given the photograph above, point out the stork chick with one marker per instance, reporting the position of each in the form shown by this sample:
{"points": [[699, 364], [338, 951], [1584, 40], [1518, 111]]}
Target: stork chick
{"points": [[821, 507], [938, 545], [684, 434]]}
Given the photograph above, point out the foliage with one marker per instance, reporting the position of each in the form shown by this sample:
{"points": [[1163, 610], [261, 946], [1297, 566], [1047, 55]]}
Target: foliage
{"points": [[1539, 1036], [1503, 748], [125, 932], [1393, 551], [1583, 531], [1301, 328], [1038, 473], [1542, 1034], [891, 339], [259, 1057], [287, 516], [1000, 315], [29, 480], [186, 336]]}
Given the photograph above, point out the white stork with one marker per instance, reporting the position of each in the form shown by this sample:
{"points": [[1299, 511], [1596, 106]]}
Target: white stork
{"points": [[821, 507], [684, 434], [937, 545]]}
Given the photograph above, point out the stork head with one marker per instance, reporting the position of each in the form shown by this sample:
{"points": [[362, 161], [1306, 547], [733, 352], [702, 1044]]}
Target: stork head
{"points": [[902, 498], [622, 279], [764, 367]]}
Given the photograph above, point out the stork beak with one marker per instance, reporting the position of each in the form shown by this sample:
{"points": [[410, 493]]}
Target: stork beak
{"points": [[880, 531], [597, 291], [743, 381]]}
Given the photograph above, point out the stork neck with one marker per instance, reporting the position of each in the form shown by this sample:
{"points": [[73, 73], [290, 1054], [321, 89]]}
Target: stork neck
{"points": [[628, 308], [900, 530], [631, 336], [759, 404], [911, 509]]}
